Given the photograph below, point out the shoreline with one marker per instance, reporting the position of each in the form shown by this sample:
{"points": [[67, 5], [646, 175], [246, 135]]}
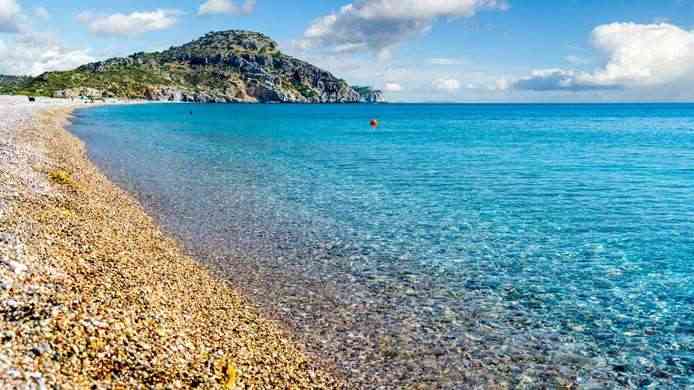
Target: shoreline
{"points": [[93, 293]]}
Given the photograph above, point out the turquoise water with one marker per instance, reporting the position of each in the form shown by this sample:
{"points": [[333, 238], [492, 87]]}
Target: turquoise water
{"points": [[455, 245]]}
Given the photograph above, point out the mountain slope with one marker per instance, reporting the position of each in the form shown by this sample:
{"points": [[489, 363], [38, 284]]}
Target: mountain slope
{"points": [[228, 66], [10, 84]]}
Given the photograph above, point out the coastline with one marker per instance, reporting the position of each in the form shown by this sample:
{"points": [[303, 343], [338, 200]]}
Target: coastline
{"points": [[93, 293]]}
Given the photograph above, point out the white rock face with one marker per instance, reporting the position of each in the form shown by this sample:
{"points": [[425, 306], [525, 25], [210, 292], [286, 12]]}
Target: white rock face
{"points": [[74, 93]]}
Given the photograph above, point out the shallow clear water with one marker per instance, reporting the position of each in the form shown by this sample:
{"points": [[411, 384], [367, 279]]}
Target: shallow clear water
{"points": [[455, 245]]}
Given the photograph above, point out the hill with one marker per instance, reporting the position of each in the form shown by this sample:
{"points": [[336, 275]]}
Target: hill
{"points": [[10, 84], [227, 66]]}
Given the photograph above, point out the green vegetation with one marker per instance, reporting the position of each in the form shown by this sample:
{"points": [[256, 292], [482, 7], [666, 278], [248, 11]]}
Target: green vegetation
{"points": [[9, 85], [362, 90], [130, 82], [306, 91], [217, 67], [62, 177]]}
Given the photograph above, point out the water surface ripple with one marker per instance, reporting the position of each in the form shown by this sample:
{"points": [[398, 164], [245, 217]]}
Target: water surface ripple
{"points": [[456, 245]]}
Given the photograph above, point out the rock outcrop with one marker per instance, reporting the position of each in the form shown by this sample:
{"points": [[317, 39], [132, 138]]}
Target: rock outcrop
{"points": [[72, 93], [370, 95], [229, 66]]}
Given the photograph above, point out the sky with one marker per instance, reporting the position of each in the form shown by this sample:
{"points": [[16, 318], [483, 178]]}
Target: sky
{"points": [[414, 50]]}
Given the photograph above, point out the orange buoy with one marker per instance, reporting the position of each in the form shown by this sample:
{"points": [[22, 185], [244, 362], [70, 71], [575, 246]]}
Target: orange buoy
{"points": [[374, 123]]}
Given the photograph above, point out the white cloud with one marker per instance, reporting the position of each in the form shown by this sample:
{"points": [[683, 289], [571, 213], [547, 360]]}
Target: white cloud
{"points": [[415, 76], [392, 87], [637, 55], [379, 25], [576, 60], [33, 54], [500, 85], [26, 52], [449, 85], [560, 79], [41, 13], [211, 7], [446, 61], [248, 7], [9, 13], [130, 24]]}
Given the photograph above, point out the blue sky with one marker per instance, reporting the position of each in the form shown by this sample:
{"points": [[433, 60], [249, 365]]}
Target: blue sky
{"points": [[418, 50]]}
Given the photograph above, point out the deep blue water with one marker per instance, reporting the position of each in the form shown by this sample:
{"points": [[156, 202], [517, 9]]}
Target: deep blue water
{"points": [[484, 244]]}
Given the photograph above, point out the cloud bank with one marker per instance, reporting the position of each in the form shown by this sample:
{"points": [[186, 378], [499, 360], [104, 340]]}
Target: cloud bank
{"points": [[392, 87], [211, 7], [33, 54], [637, 55], [26, 52], [447, 85], [134, 23], [379, 25]]}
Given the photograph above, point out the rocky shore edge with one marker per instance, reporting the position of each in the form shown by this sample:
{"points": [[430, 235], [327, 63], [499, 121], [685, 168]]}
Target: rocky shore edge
{"points": [[93, 294]]}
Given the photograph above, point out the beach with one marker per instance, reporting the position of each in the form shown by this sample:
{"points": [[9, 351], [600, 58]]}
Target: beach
{"points": [[93, 294], [178, 246], [242, 194]]}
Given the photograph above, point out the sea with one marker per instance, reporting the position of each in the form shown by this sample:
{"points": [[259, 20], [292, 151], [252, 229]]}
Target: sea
{"points": [[453, 246]]}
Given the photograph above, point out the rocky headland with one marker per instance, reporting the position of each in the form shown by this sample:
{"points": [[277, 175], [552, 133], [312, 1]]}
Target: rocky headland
{"points": [[221, 67]]}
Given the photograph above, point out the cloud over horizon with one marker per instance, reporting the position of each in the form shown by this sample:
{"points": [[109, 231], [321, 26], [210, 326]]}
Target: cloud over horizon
{"points": [[447, 85], [637, 55], [134, 23], [392, 87], [24, 51], [380, 25], [33, 54]]}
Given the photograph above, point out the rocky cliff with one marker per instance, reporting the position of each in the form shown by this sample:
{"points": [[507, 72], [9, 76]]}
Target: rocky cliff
{"points": [[370, 95], [228, 66]]}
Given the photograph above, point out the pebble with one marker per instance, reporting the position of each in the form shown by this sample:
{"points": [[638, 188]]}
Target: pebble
{"points": [[14, 266], [38, 379], [110, 301], [41, 349]]}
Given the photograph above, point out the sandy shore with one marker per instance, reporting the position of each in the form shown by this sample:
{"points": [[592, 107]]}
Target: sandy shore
{"points": [[92, 293]]}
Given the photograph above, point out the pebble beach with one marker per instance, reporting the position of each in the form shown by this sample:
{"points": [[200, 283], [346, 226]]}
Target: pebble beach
{"points": [[93, 294]]}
